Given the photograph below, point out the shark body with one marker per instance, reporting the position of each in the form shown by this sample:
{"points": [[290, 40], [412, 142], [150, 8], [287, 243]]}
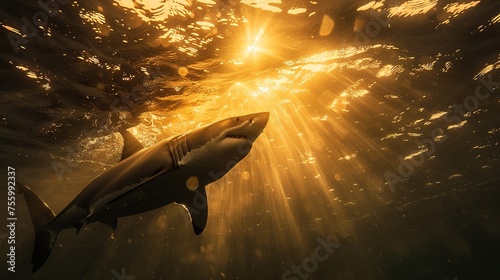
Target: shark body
{"points": [[175, 170]]}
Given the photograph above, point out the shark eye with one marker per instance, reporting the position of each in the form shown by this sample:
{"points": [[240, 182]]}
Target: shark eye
{"points": [[237, 119]]}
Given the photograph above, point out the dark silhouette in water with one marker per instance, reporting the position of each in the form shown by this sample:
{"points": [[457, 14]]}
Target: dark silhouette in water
{"points": [[174, 170]]}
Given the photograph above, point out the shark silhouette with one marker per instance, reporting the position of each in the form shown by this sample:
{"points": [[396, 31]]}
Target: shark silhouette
{"points": [[176, 170]]}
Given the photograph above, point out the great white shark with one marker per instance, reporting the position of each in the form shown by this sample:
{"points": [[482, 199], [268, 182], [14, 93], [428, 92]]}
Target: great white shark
{"points": [[175, 170]]}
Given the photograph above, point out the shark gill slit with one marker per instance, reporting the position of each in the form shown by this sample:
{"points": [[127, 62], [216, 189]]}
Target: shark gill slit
{"points": [[180, 151], [176, 154], [185, 147]]}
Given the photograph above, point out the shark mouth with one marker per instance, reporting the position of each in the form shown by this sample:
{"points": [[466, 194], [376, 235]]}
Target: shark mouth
{"points": [[240, 137]]}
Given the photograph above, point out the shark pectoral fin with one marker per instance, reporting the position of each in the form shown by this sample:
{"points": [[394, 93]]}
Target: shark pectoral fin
{"points": [[197, 207], [130, 144], [112, 222]]}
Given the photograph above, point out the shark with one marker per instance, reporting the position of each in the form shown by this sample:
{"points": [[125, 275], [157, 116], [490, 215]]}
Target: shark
{"points": [[175, 170]]}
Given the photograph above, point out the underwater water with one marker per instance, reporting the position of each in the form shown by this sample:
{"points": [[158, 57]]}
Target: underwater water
{"points": [[380, 159]]}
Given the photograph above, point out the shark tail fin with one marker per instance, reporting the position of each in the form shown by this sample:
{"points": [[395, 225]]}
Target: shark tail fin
{"points": [[40, 215]]}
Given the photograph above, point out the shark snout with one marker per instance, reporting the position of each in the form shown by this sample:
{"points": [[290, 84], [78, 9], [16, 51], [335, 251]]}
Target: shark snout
{"points": [[258, 122], [259, 119], [248, 127]]}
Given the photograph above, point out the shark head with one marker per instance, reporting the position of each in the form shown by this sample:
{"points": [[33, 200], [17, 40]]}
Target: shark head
{"points": [[225, 142], [237, 130]]}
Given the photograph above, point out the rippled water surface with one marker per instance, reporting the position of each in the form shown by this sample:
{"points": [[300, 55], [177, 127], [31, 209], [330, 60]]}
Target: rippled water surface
{"points": [[383, 136]]}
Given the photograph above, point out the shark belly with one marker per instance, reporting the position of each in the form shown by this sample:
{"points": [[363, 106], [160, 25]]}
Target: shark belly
{"points": [[173, 187]]}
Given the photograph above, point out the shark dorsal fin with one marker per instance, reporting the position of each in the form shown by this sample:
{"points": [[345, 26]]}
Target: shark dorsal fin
{"points": [[198, 209], [130, 144]]}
